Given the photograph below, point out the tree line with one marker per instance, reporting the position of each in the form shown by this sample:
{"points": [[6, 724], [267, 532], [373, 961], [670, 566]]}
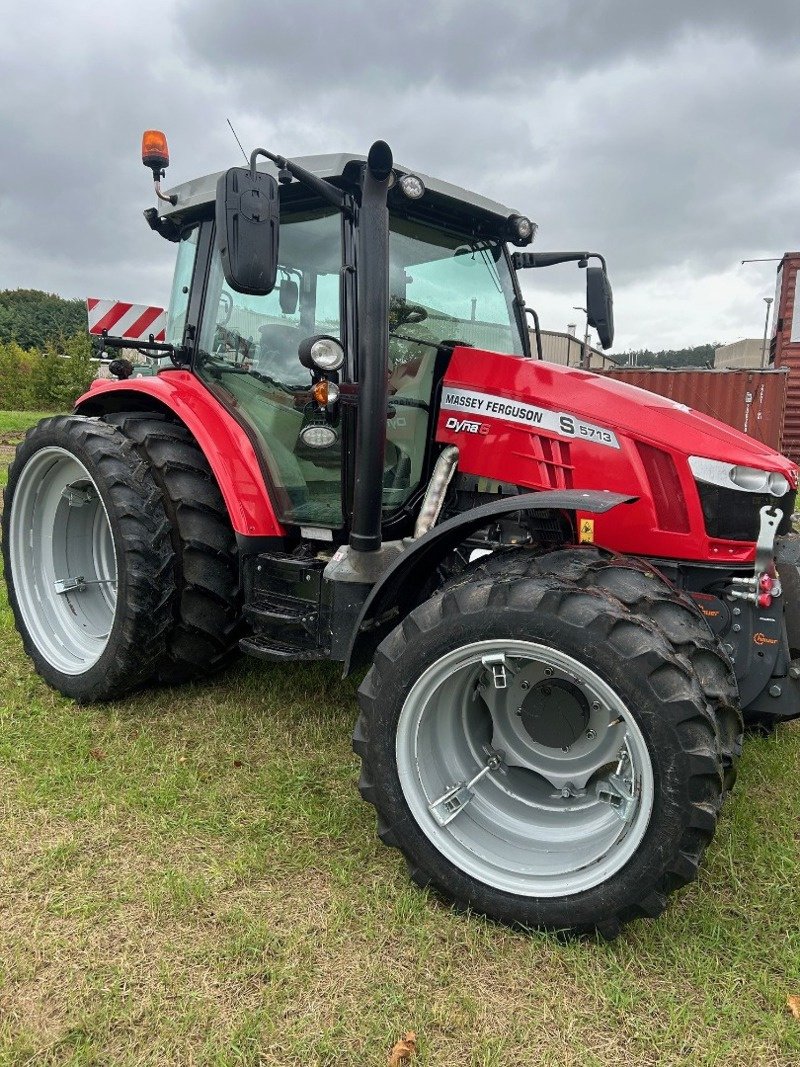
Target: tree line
{"points": [[45, 351], [696, 356]]}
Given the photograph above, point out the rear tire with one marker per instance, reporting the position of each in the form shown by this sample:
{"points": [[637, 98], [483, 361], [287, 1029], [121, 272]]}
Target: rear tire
{"points": [[207, 621], [87, 558], [485, 859]]}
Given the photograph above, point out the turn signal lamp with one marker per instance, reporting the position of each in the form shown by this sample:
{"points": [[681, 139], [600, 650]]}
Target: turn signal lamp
{"points": [[155, 153], [325, 393]]}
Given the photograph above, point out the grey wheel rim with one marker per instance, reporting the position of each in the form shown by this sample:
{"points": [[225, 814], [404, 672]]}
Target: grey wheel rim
{"points": [[524, 768], [63, 561]]}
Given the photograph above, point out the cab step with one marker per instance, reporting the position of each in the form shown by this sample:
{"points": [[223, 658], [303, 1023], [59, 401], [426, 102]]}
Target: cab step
{"points": [[276, 652], [283, 607]]}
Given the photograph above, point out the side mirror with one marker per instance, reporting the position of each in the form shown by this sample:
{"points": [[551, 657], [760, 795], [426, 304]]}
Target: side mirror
{"points": [[288, 293], [600, 304], [247, 216]]}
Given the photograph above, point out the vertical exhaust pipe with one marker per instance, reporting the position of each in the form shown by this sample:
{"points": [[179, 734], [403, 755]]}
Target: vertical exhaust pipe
{"points": [[373, 349]]}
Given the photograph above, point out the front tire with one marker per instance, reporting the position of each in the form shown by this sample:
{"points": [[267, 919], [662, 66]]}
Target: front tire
{"points": [[602, 808], [87, 558], [208, 605]]}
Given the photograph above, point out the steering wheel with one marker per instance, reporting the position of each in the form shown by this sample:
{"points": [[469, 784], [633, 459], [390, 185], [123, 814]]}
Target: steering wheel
{"points": [[225, 309], [414, 313]]}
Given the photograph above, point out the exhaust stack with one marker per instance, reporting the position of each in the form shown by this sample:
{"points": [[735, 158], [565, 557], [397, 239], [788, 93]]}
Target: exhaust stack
{"points": [[373, 349]]}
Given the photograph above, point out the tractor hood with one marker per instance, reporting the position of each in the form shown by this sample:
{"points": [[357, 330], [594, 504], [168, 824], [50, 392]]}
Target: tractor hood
{"points": [[542, 426], [606, 402]]}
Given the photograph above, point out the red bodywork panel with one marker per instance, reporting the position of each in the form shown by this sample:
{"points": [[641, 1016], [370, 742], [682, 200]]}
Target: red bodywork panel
{"points": [[544, 426], [226, 446], [531, 423]]}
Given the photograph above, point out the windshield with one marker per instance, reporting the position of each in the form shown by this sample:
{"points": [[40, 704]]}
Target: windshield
{"points": [[460, 287]]}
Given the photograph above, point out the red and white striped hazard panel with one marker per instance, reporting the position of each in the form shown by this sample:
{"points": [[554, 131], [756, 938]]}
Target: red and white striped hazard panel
{"points": [[133, 321]]}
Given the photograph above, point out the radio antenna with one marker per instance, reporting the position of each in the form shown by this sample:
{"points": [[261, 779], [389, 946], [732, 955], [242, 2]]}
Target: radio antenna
{"points": [[247, 161]]}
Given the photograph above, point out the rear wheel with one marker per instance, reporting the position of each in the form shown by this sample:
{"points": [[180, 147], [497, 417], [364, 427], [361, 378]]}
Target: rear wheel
{"points": [[540, 752], [87, 558], [207, 621]]}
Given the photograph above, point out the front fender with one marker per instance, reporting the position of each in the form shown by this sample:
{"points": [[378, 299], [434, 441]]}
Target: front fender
{"points": [[224, 443], [394, 594]]}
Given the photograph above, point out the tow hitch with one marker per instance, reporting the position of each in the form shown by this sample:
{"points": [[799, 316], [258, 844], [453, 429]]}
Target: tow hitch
{"points": [[764, 585]]}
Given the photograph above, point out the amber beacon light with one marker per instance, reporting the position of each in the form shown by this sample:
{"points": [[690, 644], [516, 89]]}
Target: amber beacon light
{"points": [[155, 153]]}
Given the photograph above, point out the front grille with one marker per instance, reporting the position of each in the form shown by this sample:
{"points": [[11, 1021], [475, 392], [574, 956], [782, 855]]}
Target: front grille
{"points": [[734, 516]]}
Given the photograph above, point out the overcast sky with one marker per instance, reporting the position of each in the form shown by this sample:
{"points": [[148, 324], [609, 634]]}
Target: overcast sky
{"points": [[663, 135]]}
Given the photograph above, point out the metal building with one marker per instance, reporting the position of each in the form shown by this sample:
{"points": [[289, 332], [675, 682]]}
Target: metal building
{"points": [[566, 349], [746, 353]]}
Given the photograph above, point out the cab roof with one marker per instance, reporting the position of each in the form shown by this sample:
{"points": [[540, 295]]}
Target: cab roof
{"points": [[201, 192]]}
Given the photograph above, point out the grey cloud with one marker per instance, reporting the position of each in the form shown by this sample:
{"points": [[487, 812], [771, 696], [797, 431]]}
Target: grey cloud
{"points": [[466, 44], [662, 135]]}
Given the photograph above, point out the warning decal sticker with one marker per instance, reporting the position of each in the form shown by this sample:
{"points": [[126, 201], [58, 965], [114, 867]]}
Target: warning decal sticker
{"points": [[499, 407], [586, 531]]}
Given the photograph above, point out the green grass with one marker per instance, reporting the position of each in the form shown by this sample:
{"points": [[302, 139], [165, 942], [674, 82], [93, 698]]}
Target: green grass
{"points": [[11, 421], [190, 877]]}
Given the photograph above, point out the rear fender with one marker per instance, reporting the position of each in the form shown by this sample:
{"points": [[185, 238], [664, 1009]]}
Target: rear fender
{"points": [[397, 591], [226, 446]]}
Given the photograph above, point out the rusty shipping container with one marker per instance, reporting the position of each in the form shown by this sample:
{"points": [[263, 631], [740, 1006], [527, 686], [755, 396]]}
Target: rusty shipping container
{"points": [[786, 346], [752, 401]]}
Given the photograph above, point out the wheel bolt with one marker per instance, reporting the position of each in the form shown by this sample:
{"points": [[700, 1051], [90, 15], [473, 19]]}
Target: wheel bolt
{"points": [[548, 671], [595, 705], [524, 685], [565, 748], [591, 735]]}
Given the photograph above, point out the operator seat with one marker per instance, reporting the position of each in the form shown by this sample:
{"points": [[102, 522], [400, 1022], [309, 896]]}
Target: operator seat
{"points": [[277, 354]]}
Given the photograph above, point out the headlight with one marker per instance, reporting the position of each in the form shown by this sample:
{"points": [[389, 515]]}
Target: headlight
{"points": [[745, 479], [324, 353]]}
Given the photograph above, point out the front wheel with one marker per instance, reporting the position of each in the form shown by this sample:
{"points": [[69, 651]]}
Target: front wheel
{"points": [[87, 557], [540, 753]]}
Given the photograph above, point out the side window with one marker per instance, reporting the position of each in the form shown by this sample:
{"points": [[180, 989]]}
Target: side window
{"points": [[181, 283]]}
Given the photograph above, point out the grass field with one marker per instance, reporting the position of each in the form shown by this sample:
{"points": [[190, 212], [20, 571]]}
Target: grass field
{"points": [[189, 877]]}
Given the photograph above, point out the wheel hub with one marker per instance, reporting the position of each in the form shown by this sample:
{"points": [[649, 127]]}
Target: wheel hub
{"points": [[555, 713]]}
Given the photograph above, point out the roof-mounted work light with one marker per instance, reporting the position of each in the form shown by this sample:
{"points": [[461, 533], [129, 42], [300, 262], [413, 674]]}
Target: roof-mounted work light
{"points": [[412, 186], [521, 231], [155, 155]]}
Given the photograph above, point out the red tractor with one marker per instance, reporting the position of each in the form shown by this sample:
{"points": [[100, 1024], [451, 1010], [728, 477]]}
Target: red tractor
{"points": [[569, 590]]}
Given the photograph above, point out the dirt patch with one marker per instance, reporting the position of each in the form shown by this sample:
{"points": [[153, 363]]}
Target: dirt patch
{"points": [[9, 439]]}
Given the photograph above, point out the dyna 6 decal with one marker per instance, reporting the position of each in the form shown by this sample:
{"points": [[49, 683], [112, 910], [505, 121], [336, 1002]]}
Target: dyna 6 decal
{"points": [[472, 405]]}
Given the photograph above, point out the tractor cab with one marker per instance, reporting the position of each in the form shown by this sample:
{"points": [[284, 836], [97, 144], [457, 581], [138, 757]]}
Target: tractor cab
{"points": [[450, 281]]}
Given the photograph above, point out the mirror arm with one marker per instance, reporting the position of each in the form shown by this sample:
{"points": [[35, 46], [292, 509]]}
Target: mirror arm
{"points": [[521, 260], [179, 354], [324, 189], [165, 228]]}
